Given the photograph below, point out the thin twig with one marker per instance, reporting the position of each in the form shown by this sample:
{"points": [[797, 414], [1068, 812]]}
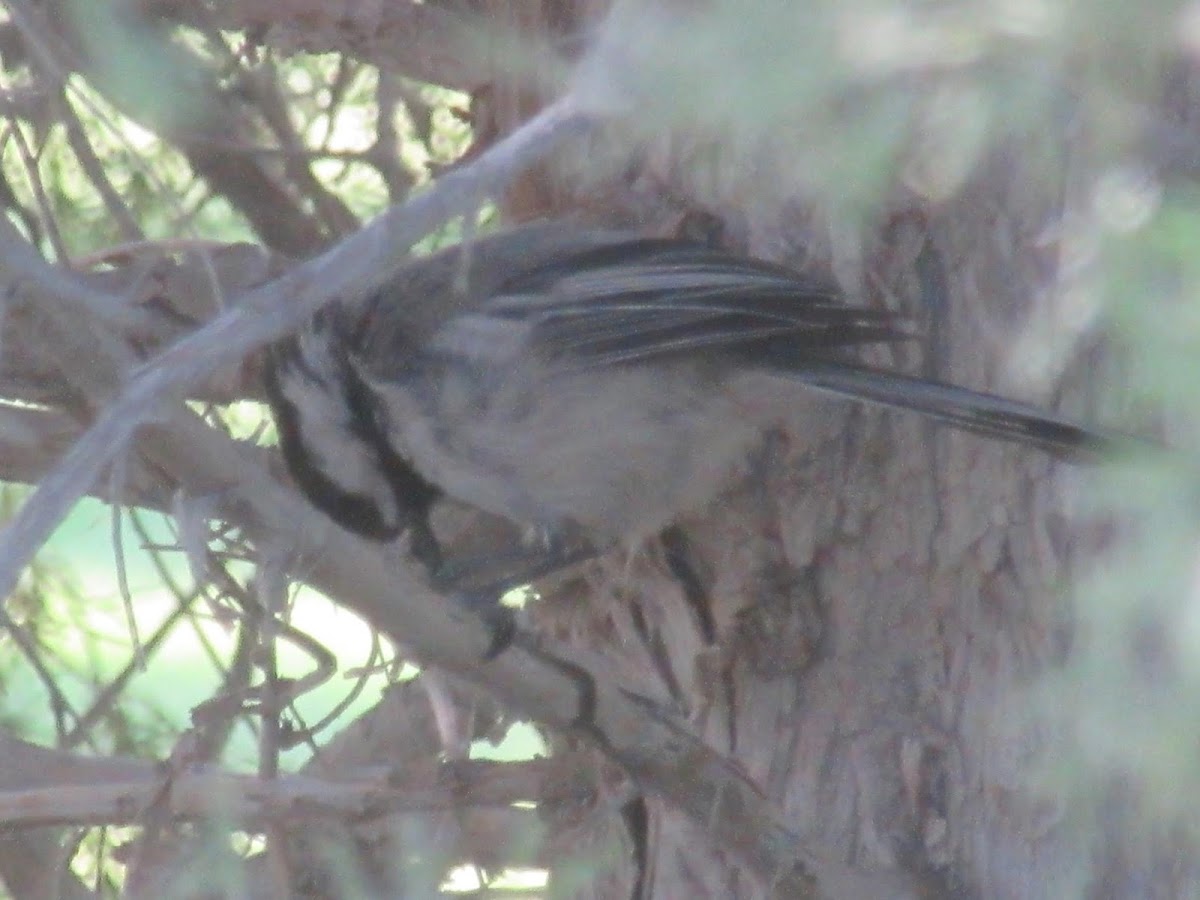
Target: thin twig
{"points": [[59, 704], [91, 165], [117, 479], [34, 178], [106, 700]]}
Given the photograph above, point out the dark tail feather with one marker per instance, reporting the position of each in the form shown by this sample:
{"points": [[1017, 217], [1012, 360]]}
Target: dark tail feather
{"points": [[984, 414]]}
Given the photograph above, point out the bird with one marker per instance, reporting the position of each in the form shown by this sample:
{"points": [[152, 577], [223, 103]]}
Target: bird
{"points": [[585, 382]]}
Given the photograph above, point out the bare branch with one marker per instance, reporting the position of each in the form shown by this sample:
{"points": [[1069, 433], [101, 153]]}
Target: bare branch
{"points": [[32, 440], [103, 798]]}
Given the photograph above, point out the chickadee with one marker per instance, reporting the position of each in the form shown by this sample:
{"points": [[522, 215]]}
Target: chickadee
{"points": [[585, 382]]}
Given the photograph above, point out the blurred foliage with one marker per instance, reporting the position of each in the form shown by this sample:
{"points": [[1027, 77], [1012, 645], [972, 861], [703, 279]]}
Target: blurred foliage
{"points": [[1133, 683], [827, 99]]}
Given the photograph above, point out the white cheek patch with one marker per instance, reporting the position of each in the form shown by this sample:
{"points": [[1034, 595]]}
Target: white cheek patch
{"points": [[324, 427]]}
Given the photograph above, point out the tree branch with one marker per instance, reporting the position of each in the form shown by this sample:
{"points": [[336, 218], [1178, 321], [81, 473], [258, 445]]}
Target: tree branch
{"points": [[32, 440], [60, 788]]}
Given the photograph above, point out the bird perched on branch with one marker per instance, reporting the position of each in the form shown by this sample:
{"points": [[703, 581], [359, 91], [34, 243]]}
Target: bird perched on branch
{"points": [[587, 382]]}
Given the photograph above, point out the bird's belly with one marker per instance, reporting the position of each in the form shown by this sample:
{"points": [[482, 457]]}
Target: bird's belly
{"points": [[618, 453]]}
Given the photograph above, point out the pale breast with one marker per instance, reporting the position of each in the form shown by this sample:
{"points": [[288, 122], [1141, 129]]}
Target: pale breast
{"points": [[619, 452]]}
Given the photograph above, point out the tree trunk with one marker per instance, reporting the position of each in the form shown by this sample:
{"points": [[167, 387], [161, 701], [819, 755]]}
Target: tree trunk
{"points": [[873, 604]]}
